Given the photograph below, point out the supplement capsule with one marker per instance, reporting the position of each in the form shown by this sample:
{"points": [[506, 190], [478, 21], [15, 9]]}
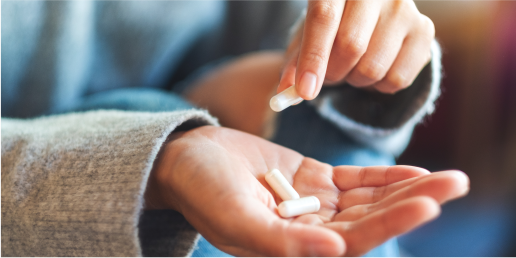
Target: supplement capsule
{"points": [[280, 185], [285, 99], [298, 207]]}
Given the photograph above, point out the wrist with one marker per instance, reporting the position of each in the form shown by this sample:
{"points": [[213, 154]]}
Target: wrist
{"points": [[158, 194]]}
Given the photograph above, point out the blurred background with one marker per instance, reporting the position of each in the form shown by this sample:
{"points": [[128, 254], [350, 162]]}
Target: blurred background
{"points": [[473, 129]]}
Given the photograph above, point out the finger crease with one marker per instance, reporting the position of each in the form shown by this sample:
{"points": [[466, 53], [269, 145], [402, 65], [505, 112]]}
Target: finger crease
{"points": [[361, 175]]}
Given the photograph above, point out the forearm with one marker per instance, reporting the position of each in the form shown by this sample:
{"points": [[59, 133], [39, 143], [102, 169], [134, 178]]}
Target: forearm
{"points": [[72, 180]]}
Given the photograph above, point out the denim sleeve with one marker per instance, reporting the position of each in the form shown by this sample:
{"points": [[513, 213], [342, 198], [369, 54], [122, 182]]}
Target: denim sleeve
{"points": [[383, 122]]}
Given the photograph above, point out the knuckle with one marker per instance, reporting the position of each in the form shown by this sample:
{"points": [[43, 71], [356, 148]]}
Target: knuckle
{"points": [[404, 10], [395, 82], [351, 47], [397, 5], [372, 72], [403, 6], [316, 56], [334, 75], [348, 50], [324, 12], [427, 27]]}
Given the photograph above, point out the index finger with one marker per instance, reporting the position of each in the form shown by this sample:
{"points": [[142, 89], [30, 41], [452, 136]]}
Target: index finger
{"points": [[321, 26]]}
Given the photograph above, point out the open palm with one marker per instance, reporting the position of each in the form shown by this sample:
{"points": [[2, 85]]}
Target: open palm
{"points": [[215, 178]]}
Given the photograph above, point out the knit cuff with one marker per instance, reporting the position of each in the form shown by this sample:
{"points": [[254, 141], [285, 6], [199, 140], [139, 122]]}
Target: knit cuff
{"points": [[73, 185], [383, 121]]}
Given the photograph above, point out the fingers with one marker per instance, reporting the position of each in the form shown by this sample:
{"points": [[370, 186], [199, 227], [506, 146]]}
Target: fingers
{"points": [[310, 219], [350, 177], [383, 48], [288, 75], [441, 186], [398, 50], [369, 195], [356, 27], [372, 230], [253, 229], [412, 57], [369, 43], [321, 26]]}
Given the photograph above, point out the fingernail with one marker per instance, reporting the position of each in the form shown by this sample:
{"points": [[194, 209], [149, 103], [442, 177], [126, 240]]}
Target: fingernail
{"points": [[308, 84]]}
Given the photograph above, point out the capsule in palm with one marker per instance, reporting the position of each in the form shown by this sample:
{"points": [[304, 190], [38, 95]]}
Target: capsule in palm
{"points": [[298, 207], [280, 185]]}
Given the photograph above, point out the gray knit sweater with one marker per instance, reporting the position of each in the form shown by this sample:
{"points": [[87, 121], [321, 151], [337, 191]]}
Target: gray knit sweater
{"points": [[72, 185]]}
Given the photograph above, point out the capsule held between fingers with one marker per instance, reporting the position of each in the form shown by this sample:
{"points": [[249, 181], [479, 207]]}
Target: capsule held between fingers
{"points": [[285, 99]]}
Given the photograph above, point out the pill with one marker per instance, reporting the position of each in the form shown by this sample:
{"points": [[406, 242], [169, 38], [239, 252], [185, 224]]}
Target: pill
{"points": [[298, 207], [285, 99], [280, 185]]}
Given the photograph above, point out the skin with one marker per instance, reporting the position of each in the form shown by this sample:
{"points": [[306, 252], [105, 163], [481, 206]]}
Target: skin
{"points": [[238, 92], [215, 177], [375, 44]]}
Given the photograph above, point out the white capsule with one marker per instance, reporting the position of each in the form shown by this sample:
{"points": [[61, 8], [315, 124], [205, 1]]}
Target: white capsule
{"points": [[285, 99], [298, 207], [280, 185]]}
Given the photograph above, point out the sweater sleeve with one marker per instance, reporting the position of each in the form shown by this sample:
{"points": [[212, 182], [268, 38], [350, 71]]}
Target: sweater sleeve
{"points": [[73, 185], [384, 122]]}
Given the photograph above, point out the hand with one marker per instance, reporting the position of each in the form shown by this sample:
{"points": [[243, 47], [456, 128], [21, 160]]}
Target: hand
{"points": [[215, 178], [382, 44], [238, 92]]}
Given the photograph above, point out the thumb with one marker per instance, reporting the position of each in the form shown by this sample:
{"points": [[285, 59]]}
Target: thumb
{"points": [[258, 230]]}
